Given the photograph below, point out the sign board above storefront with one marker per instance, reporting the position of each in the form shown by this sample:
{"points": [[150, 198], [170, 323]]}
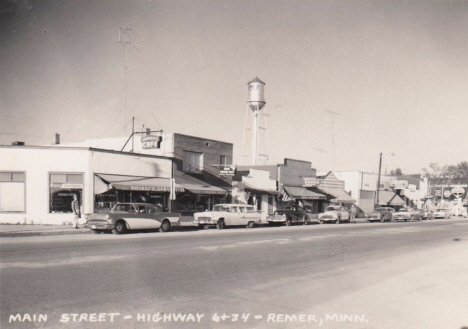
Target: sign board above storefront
{"points": [[227, 171], [66, 185], [151, 142], [399, 184], [310, 182], [458, 191]]}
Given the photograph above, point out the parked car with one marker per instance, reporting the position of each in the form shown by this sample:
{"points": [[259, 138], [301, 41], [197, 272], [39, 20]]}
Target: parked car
{"points": [[291, 214], [407, 214], [381, 214], [125, 217], [224, 215], [427, 214], [441, 213], [334, 214]]}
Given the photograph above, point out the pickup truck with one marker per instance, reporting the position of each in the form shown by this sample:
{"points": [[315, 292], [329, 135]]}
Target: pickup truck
{"points": [[334, 214], [290, 214]]}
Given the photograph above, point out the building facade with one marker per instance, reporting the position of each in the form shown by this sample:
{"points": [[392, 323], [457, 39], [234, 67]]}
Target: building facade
{"points": [[175, 171], [37, 183]]}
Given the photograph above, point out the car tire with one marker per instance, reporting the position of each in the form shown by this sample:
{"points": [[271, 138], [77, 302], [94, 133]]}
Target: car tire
{"points": [[322, 222], [250, 224], [206, 227], [96, 231], [120, 227], [165, 226], [288, 222], [220, 225]]}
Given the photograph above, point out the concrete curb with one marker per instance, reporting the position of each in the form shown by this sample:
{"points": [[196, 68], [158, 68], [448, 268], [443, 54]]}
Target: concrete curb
{"points": [[15, 234], [44, 233]]}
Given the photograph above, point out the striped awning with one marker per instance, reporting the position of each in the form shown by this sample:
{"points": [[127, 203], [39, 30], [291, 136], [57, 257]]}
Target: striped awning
{"points": [[302, 193], [204, 189], [135, 183]]}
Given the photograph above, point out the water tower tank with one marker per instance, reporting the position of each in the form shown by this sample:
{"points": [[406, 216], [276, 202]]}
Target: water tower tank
{"points": [[256, 98]]}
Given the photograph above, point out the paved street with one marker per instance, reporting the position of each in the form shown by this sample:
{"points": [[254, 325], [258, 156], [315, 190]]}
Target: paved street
{"points": [[392, 275]]}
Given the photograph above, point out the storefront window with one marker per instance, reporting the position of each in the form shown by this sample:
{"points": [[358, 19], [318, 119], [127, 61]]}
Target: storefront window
{"points": [[12, 192], [190, 202], [105, 201], [62, 189]]}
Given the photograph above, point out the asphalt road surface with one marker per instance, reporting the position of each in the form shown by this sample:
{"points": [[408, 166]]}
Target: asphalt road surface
{"points": [[391, 275]]}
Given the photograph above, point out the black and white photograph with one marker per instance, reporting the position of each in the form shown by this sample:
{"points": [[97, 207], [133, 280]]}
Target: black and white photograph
{"points": [[234, 164]]}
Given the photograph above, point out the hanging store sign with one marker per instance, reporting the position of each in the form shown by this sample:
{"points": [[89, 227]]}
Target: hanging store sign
{"points": [[227, 171], [151, 142]]}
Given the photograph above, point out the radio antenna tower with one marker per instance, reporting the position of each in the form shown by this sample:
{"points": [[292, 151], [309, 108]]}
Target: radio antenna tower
{"points": [[123, 40], [257, 127], [332, 115]]}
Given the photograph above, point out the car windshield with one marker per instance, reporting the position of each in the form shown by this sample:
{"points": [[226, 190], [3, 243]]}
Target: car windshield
{"points": [[332, 208], [124, 208], [220, 208]]}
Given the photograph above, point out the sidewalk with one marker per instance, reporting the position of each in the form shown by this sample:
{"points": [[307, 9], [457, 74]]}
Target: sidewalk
{"points": [[37, 230], [19, 230]]}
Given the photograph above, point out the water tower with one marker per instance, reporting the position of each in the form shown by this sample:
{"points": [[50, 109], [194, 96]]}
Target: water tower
{"points": [[255, 143]]}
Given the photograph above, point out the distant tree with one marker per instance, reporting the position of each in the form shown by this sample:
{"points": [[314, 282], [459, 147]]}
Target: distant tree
{"points": [[435, 170], [458, 171], [396, 172]]}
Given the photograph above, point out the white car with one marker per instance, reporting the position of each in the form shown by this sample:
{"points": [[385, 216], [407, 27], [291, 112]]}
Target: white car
{"points": [[334, 214], [441, 213], [224, 215]]}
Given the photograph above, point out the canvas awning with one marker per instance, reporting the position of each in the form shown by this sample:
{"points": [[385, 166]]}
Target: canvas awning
{"points": [[390, 198], [302, 193], [338, 195], [135, 183], [204, 189], [258, 190]]}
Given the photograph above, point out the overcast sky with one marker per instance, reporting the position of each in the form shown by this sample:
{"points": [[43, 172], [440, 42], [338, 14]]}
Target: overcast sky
{"points": [[396, 71]]}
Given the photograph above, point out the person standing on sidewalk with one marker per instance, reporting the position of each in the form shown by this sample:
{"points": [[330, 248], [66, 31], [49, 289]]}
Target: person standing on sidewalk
{"points": [[75, 205], [352, 214]]}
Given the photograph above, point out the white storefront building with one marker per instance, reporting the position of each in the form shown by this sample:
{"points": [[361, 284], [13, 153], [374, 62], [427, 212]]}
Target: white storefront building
{"points": [[37, 183]]}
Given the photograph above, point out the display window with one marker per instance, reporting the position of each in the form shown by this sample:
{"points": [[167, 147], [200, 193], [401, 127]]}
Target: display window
{"points": [[105, 201], [12, 192], [63, 186], [190, 202]]}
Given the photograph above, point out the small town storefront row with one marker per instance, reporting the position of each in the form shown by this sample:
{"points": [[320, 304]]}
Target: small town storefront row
{"points": [[41, 191]]}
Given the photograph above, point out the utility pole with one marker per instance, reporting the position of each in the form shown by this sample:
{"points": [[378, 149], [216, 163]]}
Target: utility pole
{"points": [[133, 132], [378, 181], [125, 42], [333, 135]]}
